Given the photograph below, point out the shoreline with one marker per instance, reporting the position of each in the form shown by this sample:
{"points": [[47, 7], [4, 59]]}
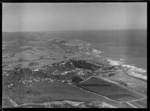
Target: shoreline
{"points": [[130, 69]]}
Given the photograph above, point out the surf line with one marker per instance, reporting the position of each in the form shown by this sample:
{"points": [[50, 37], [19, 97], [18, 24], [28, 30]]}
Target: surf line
{"points": [[134, 76]]}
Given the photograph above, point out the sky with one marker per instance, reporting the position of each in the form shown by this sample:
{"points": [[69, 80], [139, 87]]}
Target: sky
{"points": [[29, 17]]}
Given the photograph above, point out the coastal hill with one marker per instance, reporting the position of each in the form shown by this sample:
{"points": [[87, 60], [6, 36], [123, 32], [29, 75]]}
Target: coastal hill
{"points": [[39, 70]]}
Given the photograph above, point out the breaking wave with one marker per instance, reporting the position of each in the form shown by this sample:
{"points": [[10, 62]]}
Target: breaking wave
{"points": [[132, 70]]}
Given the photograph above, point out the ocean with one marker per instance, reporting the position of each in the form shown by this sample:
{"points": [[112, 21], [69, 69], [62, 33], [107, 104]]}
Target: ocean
{"points": [[130, 45]]}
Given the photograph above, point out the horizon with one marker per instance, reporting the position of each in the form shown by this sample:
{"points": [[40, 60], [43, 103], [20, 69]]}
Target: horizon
{"points": [[76, 30]]}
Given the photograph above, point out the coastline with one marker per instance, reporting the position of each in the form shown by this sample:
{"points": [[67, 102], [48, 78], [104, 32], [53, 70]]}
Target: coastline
{"points": [[130, 69]]}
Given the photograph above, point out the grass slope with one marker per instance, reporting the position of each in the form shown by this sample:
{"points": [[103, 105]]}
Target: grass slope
{"points": [[108, 89]]}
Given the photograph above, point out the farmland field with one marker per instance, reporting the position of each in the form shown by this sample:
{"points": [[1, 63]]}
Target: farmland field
{"points": [[59, 91], [110, 90]]}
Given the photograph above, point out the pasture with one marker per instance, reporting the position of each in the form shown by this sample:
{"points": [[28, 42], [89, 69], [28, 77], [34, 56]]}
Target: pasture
{"points": [[59, 91], [108, 89]]}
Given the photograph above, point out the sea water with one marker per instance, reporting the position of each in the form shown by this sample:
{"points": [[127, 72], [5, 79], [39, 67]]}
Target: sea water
{"points": [[127, 45]]}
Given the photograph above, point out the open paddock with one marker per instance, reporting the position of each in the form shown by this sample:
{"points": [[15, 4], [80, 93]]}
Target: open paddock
{"points": [[59, 91], [108, 89]]}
